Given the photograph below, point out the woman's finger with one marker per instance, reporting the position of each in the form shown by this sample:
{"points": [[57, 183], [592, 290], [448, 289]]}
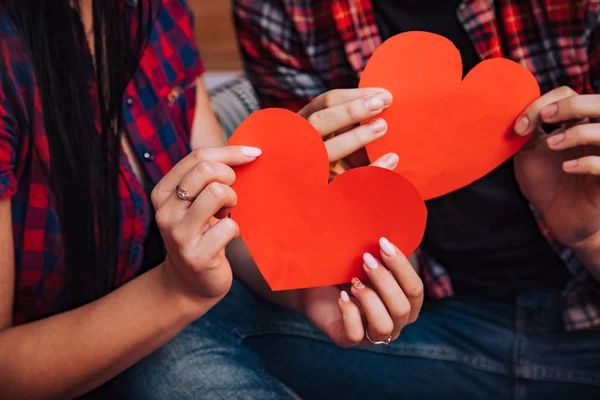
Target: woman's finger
{"points": [[353, 325], [214, 240], [380, 325], [201, 175], [334, 118], [229, 155], [343, 145], [209, 202], [530, 119], [571, 108], [405, 274], [336, 97], [589, 165], [579, 135], [193, 183], [388, 161], [390, 292]]}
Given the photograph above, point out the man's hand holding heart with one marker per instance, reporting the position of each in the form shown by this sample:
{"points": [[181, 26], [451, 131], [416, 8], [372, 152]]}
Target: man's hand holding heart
{"points": [[393, 296], [559, 173]]}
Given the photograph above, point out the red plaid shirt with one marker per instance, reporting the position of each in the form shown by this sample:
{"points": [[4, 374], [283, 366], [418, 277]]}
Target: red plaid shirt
{"points": [[295, 50], [158, 109]]}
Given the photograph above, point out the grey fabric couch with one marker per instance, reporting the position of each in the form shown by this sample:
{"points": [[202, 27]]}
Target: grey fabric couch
{"points": [[233, 102]]}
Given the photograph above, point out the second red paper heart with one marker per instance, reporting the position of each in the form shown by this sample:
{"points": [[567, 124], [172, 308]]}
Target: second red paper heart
{"points": [[303, 232], [448, 132]]}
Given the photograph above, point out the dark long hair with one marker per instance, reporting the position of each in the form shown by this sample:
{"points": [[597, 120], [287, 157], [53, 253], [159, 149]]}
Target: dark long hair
{"points": [[84, 168]]}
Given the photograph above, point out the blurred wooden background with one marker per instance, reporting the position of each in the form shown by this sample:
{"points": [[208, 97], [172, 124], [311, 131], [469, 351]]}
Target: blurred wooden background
{"points": [[215, 35]]}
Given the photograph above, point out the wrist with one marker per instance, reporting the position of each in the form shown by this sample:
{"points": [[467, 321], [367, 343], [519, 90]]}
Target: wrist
{"points": [[189, 305]]}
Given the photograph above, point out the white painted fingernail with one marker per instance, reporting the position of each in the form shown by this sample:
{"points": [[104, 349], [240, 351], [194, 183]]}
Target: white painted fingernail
{"points": [[387, 247], [251, 151], [344, 296], [370, 261]]}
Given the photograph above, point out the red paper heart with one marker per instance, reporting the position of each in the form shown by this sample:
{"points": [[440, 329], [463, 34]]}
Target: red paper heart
{"points": [[303, 232], [447, 132]]}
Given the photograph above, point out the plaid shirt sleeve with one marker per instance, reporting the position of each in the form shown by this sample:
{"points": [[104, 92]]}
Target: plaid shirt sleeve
{"points": [[8, 131], [274, 55]]}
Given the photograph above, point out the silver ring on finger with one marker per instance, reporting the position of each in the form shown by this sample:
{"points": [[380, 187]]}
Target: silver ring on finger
{"points": [[387, 341], [182, 193]]}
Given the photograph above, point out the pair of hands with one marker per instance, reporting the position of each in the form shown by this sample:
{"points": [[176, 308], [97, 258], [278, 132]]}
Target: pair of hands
{"points": [[557, 174], [196, 231]]}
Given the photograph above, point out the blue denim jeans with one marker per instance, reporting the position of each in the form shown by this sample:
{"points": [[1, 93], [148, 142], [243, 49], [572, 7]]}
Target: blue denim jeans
{"points": [[246, 348]]}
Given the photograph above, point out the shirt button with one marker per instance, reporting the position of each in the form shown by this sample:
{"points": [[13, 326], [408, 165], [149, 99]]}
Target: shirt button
{"points": [[148, 156], [129, 101]]}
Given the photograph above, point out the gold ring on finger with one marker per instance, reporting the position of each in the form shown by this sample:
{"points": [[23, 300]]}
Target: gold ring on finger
{"points": [[386, 341]]}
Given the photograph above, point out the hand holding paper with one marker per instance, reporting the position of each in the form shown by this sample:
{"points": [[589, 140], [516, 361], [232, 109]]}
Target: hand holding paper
{"points": [[447, 132], [303, 232]]}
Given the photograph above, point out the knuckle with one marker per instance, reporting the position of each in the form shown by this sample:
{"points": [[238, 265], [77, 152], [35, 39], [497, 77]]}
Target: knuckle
{"points": [[155, 195], [356, 110], [326, 100], [579, 134], [315, 118], [199, 154], [576, 106], [358, 137], [161, 217], [204, 168], [402, 312], [355, 338], [216, 191], [383, 329], [565, 91], [415, 291], [329, 98]]}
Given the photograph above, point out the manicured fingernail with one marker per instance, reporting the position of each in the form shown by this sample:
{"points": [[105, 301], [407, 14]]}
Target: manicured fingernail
{"points": [[378, 126], [387, 247], [521, 125], [251, 151], [344, 296], [386, 97], [570, 164], [357, 284], [374, 103], [391, 160], [556, 139], [370, 261], [549, 111]]}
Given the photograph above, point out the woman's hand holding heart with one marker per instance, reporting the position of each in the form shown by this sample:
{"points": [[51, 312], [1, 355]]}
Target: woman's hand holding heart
{"points": [[380, 308], [560, 173], [394, 294]]}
